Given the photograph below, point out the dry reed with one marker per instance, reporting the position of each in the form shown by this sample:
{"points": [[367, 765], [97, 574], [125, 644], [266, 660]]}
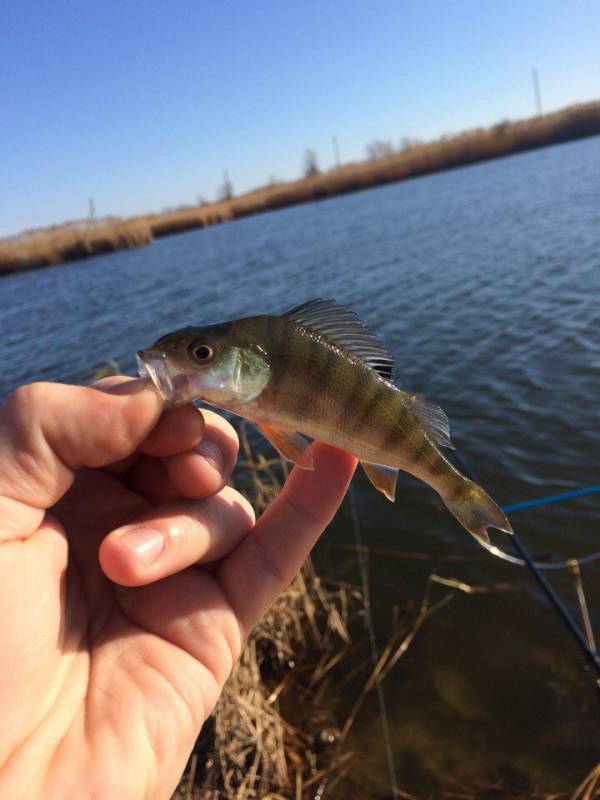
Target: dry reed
{"points": [[59, 243], [72, 241]]}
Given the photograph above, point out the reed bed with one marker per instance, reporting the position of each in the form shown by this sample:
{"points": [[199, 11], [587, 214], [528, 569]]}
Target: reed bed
{"points": [[49, 246], [280, 730], [73, 241], [203, 216]]}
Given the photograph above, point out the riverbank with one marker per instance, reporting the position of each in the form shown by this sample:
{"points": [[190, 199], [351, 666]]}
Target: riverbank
{"points": [[60, 243]]}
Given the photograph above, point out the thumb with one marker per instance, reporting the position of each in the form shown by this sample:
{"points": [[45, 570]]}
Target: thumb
{"points": [[48, 430]]}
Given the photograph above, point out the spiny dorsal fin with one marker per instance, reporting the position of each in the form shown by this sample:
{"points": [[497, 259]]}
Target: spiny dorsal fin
{"points": [[342, 327], [434, 419]]}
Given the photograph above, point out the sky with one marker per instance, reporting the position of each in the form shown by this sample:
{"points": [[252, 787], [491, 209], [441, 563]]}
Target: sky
{"points": [[142, 105]]}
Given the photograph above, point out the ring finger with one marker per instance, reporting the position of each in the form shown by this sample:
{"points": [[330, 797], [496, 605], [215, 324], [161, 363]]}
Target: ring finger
{"points": [[205, 469]]}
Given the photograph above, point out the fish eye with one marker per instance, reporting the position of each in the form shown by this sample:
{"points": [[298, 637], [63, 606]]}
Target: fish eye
{"points": [[203, 353]]}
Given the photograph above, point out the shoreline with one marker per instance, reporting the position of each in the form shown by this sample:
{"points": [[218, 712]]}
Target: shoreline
{"points": [[73, 241]]}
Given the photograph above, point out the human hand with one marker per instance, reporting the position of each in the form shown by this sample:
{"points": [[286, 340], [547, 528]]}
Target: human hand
{"points": [[115, 645]]}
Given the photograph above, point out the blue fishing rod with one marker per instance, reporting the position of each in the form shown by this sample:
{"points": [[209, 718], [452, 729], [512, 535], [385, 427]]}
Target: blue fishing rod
{"points": [[591, 656]]}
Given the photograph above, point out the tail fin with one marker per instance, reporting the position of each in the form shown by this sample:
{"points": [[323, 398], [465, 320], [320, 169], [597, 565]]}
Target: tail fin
{"points": [[475, 510]]}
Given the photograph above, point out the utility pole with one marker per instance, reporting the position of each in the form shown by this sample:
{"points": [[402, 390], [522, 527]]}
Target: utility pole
{"points": [[227, 188], [536, 92], [336, 150], [92, 208]]}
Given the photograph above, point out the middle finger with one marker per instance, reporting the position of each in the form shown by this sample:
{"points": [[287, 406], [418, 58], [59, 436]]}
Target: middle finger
{"points": [[200, 471], [205, 469]]}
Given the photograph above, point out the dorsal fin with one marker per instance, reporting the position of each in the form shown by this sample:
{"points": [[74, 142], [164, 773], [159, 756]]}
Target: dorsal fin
{"points": [[434, 419], [342, 327]]}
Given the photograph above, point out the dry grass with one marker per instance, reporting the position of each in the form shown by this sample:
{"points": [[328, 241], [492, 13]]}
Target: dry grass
{"points": [[68, 242], [279, 731], [203, 216]]}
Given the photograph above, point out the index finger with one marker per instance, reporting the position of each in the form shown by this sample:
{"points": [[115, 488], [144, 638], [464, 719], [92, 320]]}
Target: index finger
{"points": [[49, 430], [177, 430], [272, 553]]}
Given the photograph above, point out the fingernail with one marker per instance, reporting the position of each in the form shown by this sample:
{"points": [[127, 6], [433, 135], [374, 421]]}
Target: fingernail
{"points": [[146, 543], [130, 386], [211, 453]]}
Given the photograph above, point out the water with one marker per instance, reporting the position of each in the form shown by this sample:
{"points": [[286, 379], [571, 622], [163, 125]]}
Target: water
{"points": [[485, 282]]}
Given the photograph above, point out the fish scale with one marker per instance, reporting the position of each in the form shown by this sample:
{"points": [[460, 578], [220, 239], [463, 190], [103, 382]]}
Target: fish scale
{"points": [[318, 370]]}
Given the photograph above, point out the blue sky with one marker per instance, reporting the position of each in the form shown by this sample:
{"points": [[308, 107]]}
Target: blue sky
{"points": [[142, 105]]}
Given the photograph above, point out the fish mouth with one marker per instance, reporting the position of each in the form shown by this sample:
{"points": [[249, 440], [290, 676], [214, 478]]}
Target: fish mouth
{"points": [[154, 365]]}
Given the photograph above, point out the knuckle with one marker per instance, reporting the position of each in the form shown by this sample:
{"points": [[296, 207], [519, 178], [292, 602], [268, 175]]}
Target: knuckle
{"points": [[222, 432], [203, 518], [221, 647], [27, 471], [231, 433], [270, 565], [198, 417], [303, 513], [239, 506], [227, 511], [25, 400]]}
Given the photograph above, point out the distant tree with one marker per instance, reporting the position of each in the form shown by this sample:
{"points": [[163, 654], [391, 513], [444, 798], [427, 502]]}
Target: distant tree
{"points": [[379, 148], [408, 142], [201, 200], [310, 165], [226, 190], [501, 127]]}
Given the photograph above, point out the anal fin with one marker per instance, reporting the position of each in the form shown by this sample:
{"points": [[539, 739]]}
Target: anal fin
{"points": [[383, 478], [292, 446]]}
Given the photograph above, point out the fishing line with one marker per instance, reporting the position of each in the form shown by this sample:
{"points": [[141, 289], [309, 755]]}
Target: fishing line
{"points": [[364, 573], [591, 656], [528, 504], [540, 565]]}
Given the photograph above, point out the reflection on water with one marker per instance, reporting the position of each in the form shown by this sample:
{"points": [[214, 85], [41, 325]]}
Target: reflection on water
{"points": [[485, 283]]}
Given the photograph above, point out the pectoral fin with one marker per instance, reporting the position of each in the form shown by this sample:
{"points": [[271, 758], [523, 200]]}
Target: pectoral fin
{"points": [[382, 478], [292, 446]]}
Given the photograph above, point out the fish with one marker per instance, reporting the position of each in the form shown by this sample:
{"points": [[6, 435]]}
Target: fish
{"points": [[319, 371]]}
